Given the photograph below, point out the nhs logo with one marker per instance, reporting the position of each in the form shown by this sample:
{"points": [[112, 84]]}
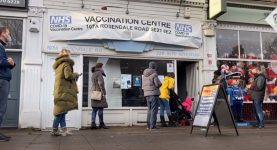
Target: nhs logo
{"points": [[183, 27], [60, 19]]}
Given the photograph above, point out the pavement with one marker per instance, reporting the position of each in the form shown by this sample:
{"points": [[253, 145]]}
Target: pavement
{"points": [[139, 138]]}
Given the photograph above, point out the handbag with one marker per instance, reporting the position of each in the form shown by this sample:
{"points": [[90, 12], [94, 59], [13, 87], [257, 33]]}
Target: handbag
{"points": [[96, 95]]}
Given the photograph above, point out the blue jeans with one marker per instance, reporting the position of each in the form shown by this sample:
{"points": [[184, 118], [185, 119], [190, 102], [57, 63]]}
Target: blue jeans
{"points": [[258, 111], [237, 108], [59, 119], [100, 114], [153, 105], [4, 92], [164, 106]]}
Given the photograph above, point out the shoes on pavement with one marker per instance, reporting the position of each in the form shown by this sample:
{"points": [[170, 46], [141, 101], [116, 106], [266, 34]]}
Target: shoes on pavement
{"points": [[103, 126], [55, 132], [1, 134], [65, 132], [4, 139], [154, 129], [93, 126]]}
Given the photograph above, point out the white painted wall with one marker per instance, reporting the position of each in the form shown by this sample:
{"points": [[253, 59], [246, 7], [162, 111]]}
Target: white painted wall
{"points": [[73, 118], [136, 8]]}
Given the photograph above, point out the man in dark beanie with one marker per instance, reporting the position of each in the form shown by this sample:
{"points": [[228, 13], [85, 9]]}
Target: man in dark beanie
{"points": [[150, 86]]}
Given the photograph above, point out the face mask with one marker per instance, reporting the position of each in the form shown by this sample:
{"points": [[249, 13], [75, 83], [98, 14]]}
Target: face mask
{"points": [[9, 38]]}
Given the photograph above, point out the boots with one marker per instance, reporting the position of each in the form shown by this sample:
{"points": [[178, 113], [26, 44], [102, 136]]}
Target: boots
{"points": [[93, 126], [55, 132], [65, 132], [103, 126], [163, 123], [171, 122]]}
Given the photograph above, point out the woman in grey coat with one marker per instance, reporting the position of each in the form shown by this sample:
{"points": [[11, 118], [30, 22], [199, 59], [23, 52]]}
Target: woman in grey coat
{"points": [[98, 105]]}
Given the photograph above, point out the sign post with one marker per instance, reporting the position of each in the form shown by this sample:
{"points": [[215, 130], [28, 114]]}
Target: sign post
{"points": [[213, 103]]}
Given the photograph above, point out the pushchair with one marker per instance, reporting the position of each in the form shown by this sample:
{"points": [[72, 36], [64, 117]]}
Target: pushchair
{"points": [[178, 111]]}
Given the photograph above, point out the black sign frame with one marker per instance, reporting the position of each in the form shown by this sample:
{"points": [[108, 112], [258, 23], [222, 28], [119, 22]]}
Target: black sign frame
{"points": [[7, 7], [213, 114]]}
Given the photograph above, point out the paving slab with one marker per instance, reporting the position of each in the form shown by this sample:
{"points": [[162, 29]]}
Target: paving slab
{"points": [[139, 138]]}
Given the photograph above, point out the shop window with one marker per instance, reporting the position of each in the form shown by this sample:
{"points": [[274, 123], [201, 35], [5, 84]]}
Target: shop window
{"points": [[16, 28], [123, 81], [244, 67], [269, 43], [250, 45], [227, 43]]}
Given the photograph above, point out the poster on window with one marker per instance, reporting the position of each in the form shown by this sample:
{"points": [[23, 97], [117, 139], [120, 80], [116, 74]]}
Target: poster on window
{"points": [[116, 82], [126, 80], [169, 67], [136, 80]]}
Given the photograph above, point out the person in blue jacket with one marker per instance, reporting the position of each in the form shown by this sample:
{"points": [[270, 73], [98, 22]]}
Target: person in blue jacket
{"points": [[6, 64]]}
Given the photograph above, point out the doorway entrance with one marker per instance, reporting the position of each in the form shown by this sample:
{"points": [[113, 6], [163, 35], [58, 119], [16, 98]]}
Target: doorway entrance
{"points": [[187, 78], [12, 113]]}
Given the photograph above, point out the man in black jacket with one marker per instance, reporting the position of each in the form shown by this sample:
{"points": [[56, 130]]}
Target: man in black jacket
{"points": [[257, 93], [6, 64]]}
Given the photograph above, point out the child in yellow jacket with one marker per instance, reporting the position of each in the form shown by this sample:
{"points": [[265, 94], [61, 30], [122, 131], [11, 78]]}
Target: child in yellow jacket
{"points": [[167, 85]]}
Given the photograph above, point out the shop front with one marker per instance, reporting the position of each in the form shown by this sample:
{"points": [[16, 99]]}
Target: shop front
{"points": [[125, 45], [243, 42]]}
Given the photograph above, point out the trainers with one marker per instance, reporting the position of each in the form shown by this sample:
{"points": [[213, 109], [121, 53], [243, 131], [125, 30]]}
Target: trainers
{"points": [[4, 139], [55, 132], [66, 132]]}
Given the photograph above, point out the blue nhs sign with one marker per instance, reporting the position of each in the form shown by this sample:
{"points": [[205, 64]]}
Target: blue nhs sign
{"points": [[183, 27], [60, 19]]}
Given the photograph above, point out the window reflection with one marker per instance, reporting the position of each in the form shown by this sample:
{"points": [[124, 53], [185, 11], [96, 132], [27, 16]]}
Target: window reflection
{"points": [[250, 44], [227, 43], [16, 28], [269, 45]]}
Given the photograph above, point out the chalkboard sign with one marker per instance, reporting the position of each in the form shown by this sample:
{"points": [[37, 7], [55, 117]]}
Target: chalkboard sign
{"points": [[213, 103]]}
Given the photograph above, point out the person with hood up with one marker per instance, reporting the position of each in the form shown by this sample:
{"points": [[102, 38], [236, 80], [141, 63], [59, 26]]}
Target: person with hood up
{"points": [[98, 105], [150, 86], [65, 91], [167, 85]]}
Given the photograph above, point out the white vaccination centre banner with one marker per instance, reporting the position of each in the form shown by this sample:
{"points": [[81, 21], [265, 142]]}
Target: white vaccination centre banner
{"points": [[63, 25]]}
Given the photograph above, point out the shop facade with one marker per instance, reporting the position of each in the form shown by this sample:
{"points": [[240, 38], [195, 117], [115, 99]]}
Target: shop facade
{"points": [[118, 43], [244, 39], [191, 55]]}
